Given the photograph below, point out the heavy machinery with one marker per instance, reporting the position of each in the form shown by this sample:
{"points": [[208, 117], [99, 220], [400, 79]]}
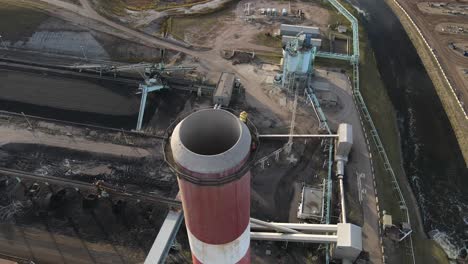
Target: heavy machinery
{"points": [[154, 81], [152, 73]]}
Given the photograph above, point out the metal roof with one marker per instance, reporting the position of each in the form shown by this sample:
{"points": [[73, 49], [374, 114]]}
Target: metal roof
{"points": [[286, 29]]}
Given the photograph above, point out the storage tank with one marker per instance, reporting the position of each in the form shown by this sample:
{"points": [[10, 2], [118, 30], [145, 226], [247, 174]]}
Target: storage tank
{"points": [[284, 12], [274, 12], [268, 11]]}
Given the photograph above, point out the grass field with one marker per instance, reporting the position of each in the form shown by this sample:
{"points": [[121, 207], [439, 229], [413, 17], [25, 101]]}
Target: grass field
{"points": [[269, 57], [267, 40], [200, 25], [118, 7]]}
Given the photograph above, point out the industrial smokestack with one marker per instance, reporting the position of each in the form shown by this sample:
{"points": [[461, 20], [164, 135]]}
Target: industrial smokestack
{"points": [[210, 149]]}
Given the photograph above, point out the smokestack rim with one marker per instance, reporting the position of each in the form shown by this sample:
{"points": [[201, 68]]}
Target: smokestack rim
{"points": [[229, 165], [233, 118]]}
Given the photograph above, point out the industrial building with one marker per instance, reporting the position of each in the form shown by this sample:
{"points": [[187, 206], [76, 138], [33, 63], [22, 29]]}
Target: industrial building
{"points": [[202, 158], [298, 63], [315, 42], [223, 93], [212, 152], [293, 30]]}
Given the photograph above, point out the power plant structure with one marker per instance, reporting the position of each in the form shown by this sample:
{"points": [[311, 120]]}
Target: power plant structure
{"points": [[298, 62], [210, 150], [197, 158]]}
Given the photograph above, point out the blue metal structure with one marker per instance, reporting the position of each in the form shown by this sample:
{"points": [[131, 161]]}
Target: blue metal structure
{"points": [[150, 85], [359, 100], [298, 61], [336, 56]]}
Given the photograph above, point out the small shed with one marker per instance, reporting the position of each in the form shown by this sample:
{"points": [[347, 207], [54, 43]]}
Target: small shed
{"points": [[223, 92], [311, 206], [342, 29], [387, 221]]}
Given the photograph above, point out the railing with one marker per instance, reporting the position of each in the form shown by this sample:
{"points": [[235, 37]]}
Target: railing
{"points": [[336, 56], [310, 95], [354, 24], [359, 100]]}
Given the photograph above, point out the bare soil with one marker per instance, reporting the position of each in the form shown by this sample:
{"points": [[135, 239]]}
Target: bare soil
{"points": [[428, 18]]}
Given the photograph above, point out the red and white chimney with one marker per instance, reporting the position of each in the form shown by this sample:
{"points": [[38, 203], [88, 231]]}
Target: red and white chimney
{"points": [[210, 149]]}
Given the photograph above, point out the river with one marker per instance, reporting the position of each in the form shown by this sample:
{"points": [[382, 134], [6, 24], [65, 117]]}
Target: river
{"points": [[432, 159]]}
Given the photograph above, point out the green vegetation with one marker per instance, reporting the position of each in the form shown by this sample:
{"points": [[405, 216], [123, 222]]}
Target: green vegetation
{"points": [[136, 5], [268, 40], [111, 7], [24, 18], [118, 7], [336, 18], [269, 57], [384, 117], [179, 26]]}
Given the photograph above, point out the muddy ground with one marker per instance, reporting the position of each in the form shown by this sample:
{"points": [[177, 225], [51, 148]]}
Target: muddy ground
{"points": [[56, 225], [63, 225], [276, 200]]}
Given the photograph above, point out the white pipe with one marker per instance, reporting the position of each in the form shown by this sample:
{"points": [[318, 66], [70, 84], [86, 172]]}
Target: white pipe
{"points": [[343, 209], [293, 237], [298, 136], [340, 173], [273, 226], [301, 227], [340, 164]]}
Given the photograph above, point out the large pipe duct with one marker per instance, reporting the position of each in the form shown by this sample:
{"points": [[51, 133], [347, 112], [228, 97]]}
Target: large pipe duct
{"points": [[210, 149], [343, 148]]}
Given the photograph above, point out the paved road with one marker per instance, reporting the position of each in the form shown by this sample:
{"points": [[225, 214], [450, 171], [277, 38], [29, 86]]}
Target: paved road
{"points": [[360, 163]]}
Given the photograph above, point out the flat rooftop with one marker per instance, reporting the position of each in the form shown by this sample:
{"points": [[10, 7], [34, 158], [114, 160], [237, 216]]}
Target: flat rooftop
{"points": [[225, 84], [311, 203]]}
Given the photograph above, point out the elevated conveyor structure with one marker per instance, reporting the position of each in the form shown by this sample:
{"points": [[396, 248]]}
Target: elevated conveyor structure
{"points": [[335, 56], [365, 114]]}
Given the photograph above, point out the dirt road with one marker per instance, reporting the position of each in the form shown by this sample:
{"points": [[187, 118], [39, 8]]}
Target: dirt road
{"points": [[444, 62], [22, 136], [210, 62]]}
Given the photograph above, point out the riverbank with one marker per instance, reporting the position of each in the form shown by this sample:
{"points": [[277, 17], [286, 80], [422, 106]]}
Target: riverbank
{"points": [[451, 106], [385, 119], [383, 114]]}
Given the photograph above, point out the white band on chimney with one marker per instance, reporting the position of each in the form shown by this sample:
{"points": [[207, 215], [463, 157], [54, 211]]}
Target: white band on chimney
{"points": [[215, 254]]}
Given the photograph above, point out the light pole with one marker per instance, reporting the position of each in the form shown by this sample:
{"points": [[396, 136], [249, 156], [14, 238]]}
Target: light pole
{"points": [[84, 53]]}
